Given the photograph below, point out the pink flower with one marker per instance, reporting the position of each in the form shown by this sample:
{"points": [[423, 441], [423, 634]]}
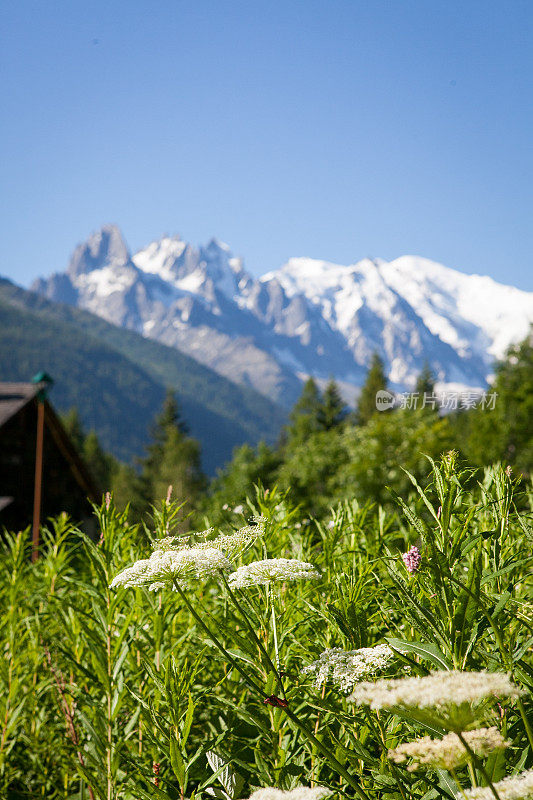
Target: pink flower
{"points": [[412, 559]]}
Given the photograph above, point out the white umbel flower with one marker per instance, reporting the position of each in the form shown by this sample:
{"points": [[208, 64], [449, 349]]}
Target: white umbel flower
{"points": [[300, 793], [232, 544], [439, 689], [515, 787], [165, 566], [272, 569], [134, 575], [179, 542], [345, 668], [448, 752]]}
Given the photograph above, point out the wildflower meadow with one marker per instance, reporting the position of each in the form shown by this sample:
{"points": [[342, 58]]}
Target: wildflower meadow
{"points": [[368, 654]]}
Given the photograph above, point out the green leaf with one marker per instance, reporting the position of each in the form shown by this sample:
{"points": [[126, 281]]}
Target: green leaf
{"points": [[447, 782], [187, 722], [425, 650], [176, 761]]}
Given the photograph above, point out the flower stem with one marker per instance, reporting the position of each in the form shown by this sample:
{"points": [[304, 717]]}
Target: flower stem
{"points": [[252, 685], [525, 720], [274, 627], [478, 763], [334, 762], [380, 736], [262, 648]]}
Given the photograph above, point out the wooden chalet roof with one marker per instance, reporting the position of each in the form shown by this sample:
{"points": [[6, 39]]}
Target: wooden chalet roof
{"points": [[13, 398]]}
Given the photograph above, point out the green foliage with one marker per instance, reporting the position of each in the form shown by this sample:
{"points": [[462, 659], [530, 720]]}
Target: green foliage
{"points": [[72, 424], [172, 460], [311, 470], [362, 456], [230, 488], [506, 432], [121, 694], [346, 462], [375, 452], [332, 410], [376, 380], [304, 418], [425, 383]]}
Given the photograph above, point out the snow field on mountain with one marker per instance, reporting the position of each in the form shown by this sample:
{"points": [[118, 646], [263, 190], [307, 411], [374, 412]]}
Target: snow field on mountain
{"points": [[310, 317]]}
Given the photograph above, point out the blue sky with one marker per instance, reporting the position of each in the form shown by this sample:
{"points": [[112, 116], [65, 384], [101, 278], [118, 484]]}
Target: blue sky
{"points": [[329, 129]]}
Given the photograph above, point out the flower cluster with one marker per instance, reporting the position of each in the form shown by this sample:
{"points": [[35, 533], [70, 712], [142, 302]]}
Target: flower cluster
{"points": [[448, 752], [165, 566], [179, 542], [272, 569], [235, 543], [300, 793], [345, 668], [231, 544], [515, 787], [412, 559], [439, 689]]}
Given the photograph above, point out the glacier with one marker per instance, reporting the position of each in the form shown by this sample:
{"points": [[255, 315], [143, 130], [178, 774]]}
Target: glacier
{"points": [[309, 317]]}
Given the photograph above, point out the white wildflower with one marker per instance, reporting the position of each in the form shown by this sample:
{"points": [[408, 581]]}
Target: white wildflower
{"points": [[448, 752], [300, 793], [437, 690], [179, 542], [238, 509], [134, 575], [272, 569], [232, 544], [165, 566], [515, 787], [345, 668]]}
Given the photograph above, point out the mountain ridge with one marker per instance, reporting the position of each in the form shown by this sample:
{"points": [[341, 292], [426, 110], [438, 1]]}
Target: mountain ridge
{"points": [[310, 317]]}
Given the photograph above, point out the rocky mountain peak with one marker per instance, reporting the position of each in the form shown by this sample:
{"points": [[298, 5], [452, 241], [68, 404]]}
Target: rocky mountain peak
{"points": [[104, 247], [169, 257], [221, 269], [309, 317]]}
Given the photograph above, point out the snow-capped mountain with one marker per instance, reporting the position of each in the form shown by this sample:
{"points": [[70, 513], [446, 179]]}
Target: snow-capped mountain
{"points": [[310, 317]]}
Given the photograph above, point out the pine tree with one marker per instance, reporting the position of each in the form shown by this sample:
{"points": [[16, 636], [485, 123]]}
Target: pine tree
{"points": [[101, 465], [128, 490], [180, 468], [425, 383], [72, 424], [173, 459], [376, 380], [332, 411], [304, 418]]}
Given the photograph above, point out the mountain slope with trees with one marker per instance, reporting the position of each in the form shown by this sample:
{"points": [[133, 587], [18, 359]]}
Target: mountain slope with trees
{"points": [[117, 379]]}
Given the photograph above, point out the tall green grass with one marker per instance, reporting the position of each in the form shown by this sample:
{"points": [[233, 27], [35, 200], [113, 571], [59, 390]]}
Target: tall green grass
{"points": [[198, 689]]}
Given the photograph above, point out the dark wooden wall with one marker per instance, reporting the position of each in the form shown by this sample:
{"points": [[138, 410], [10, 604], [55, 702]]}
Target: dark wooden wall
{"points": [[60, 489]]}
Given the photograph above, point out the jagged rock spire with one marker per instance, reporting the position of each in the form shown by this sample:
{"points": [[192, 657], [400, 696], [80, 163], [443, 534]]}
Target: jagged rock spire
{"points": [[103, 247]]}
